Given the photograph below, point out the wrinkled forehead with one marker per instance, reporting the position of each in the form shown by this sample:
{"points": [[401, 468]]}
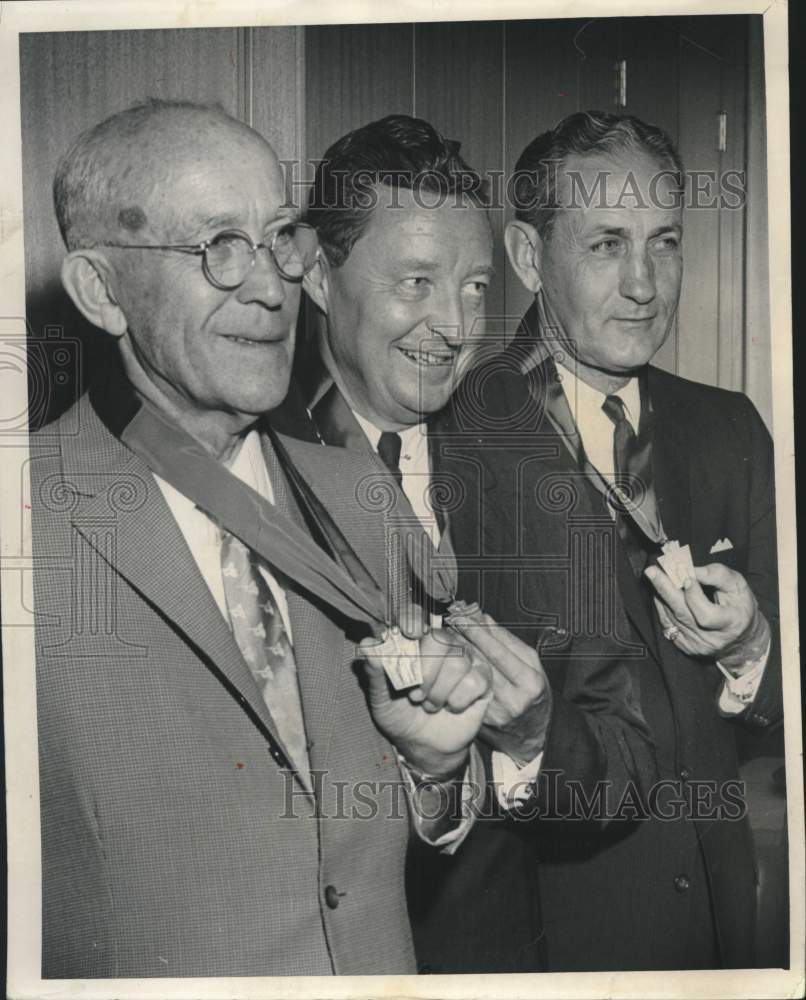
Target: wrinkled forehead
{"points": [[451, 221], [192, 169], [599, 186]]}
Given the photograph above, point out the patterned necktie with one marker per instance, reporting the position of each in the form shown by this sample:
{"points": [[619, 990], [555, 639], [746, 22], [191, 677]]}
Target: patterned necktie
{"points": [[633, 465], [258, 628], [389, 445]]}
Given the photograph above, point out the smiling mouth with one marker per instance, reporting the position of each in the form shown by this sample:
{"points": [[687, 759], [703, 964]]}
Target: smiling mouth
{"points": [[252, 341], [430, 359]]}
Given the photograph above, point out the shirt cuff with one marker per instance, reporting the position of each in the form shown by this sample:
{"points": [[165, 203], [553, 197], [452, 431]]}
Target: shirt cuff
{"points": [[738, 692], [514, 784], [435, 804]]}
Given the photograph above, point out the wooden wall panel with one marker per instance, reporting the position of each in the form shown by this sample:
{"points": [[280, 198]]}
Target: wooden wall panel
{"points": [[598, 44], [71, 81], [732, 329], [698, 318], [757, 341], [649, 45], [459, 88], [355, 74], [274, 66], [540, 92]]}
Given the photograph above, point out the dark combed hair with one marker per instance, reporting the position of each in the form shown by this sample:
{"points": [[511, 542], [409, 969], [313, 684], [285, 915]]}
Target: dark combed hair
{"points": [[396, 151], [534, 184]]}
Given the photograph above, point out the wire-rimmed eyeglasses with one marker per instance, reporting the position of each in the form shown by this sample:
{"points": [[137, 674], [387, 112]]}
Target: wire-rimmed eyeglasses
{"points": [[229, 256]]}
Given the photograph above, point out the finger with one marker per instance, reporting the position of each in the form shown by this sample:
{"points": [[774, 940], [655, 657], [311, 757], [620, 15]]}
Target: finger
{"points": [[435, 646], [511, 642], [664, 616], [489, 639], [706, 614], [720, 577], [450, 672], [671, 596], [468, 691]]}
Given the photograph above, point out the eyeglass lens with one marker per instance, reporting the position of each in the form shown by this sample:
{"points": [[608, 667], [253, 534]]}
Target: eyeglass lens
{"points": [[229, 255]]}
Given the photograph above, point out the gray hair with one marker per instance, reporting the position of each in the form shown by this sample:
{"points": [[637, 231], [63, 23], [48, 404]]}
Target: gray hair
{"points": [[98, 176]]}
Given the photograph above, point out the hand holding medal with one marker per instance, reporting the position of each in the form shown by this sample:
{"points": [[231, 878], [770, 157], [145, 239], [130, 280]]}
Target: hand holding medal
{"points": [[730, 628]]}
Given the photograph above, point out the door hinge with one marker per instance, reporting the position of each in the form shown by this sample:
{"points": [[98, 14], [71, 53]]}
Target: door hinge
{"points": [[722, 140], [621, 83]]}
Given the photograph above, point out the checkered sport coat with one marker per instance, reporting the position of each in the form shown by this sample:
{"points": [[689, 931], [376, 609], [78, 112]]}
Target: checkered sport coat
{"points": [[173, 844]]}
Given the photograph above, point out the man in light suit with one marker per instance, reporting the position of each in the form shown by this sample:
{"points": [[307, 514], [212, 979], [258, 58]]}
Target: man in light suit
{"points": [[609, 460], [400, 289], [227, 782]]}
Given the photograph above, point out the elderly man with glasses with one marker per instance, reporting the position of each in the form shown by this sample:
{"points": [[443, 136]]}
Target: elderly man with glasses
{"points": [[228, 779]]}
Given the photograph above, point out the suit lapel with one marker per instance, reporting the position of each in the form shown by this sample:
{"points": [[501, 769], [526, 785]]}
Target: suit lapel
{"points": [[559, 428], [336, 424], [118, 489]]}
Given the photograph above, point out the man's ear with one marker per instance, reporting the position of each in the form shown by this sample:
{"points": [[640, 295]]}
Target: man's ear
{"points": [[87, 278], [524, 249], [316, 282]]}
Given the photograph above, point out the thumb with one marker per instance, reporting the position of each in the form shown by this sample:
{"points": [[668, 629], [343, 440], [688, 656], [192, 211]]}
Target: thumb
{"points": [[374, 671]]}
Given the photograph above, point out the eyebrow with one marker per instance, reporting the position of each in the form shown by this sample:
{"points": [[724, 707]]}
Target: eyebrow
{"points": [[416, 264], [487, 269], [604, 230], [218, 223]]}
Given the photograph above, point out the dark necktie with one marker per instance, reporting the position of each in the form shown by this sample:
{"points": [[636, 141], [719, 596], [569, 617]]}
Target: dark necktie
{"points": [[632, 463], [258, 629], [389, 445]]}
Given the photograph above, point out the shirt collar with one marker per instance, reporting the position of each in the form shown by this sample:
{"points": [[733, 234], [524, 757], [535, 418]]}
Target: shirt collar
{"points": [[580, 395], [408, 435], [249, 466]]}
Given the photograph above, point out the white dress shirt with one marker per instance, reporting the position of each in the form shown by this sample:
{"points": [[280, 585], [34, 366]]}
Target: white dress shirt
{"points": [[204, 537], [596, 432], [415, 468]]}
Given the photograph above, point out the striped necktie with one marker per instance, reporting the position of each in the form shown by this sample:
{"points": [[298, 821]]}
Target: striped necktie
{"points": [[632, 462]]}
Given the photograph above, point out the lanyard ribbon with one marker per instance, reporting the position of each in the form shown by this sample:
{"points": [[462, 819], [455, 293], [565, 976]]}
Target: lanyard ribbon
{"points": [[643, 512], [434, 569], [339, 579]]}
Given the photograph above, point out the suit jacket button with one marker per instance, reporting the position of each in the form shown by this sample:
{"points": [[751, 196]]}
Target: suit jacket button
{"points": [[685, 772], [682, 883], [332, 896]]}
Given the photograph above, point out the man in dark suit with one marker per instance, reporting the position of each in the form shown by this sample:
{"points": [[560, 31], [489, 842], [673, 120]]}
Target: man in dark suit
{"points": [[407, 257], [603, 464], [227, 782]]}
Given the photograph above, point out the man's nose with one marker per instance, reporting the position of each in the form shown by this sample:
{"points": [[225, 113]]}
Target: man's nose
{"points": [[638, 277], [448, 321], [263, 282]]}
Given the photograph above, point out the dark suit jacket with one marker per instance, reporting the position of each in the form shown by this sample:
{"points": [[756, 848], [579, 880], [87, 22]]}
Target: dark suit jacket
{"points": [[627, 897], [478, 911], [172, 842]]}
